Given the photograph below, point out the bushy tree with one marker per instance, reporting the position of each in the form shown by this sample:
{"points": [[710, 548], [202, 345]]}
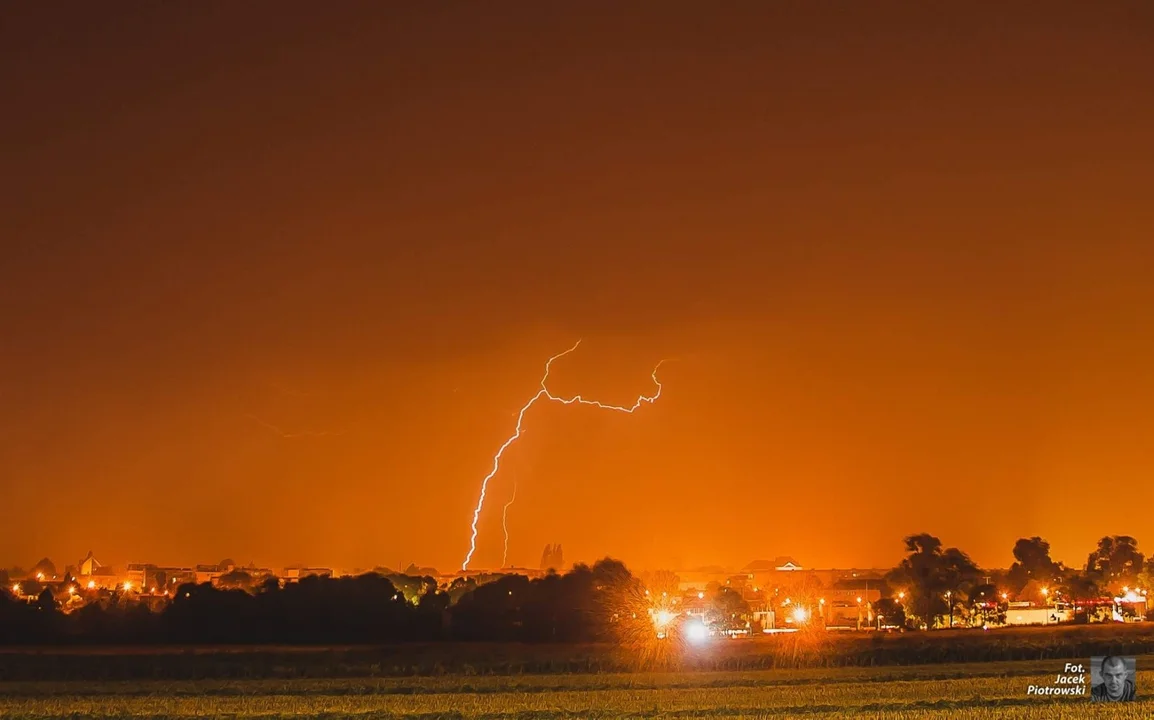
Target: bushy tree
{"points": [[890, 612], [932, 576], [1032, 562], [727, 609], [1116, 562]]}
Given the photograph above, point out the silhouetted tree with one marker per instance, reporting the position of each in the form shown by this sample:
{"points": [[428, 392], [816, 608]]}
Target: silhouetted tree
{"points": [[236, 579], [1146, 578], [1032, 562], [727, 610], [1116, 562], [46, 602], [662, 581], [890, 612], [934, 578], [986, 605], [1080, 587], [413, 587]]}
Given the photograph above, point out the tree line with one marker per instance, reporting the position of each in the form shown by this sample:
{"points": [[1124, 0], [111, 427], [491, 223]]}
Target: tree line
{"points": [[940, 580], [602, 602]]}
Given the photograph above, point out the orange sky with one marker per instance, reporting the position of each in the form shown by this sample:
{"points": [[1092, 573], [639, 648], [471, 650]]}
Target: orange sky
{"points": [[902, 254]]}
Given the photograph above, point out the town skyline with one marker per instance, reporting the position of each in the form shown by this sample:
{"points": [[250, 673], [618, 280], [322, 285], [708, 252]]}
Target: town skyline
{"points": [[401, 565]]}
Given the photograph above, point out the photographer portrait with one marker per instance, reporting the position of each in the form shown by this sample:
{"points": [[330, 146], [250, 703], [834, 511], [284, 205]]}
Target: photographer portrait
{"points": [[1112, 679]]}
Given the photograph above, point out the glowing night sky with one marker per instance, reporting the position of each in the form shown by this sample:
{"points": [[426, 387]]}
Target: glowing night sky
{"points": [[277, 277]]}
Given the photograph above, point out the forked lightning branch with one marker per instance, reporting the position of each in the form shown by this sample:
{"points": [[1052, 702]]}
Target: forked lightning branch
{"points": [[518, 430]]}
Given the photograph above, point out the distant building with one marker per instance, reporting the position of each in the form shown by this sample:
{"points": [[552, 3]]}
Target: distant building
{"points": [[208, 573], [43, 571], [174, 577], [88, 565], [553, 558], [93, 575], [296, 573]]}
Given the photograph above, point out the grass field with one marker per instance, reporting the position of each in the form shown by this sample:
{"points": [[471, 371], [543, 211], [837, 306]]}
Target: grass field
{"points": [[982, 690], [821, 650], [916, 675]]}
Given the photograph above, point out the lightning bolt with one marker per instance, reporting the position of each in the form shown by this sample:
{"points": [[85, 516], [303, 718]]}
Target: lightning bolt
{"points": [[544, 393], [505, 523]]}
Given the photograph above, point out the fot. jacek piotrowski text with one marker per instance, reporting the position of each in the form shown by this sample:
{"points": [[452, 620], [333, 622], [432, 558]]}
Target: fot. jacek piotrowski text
{"points": [[1071, 681]]}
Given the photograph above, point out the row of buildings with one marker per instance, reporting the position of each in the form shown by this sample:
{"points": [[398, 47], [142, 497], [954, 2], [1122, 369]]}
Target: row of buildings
{"points": [[151, 579]]}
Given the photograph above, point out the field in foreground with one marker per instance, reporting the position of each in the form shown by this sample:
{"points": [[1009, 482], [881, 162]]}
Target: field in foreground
{"points": [[982, 690], [784, 652]]}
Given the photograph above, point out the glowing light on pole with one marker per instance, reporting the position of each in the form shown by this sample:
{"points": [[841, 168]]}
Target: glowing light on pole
{"points": [[544, 393]]}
